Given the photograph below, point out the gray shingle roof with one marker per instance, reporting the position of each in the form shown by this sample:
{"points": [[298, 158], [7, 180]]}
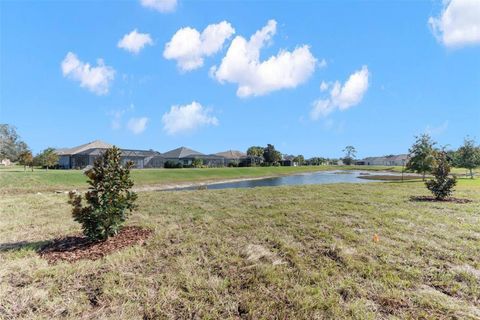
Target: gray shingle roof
{"points": [[181, 152], [231, 154], [97, 144]]}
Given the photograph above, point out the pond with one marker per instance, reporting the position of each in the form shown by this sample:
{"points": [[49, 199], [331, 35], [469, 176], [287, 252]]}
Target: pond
{"points": [[320, 177]]}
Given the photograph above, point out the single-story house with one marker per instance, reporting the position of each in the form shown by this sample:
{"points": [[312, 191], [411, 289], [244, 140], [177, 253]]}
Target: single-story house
{"points": [[232, 156], [6, 162], [186, 156], [288, 161], [86, 154], [391, 160]]}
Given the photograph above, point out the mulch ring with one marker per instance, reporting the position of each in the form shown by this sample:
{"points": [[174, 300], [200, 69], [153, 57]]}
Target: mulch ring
{"points": [[433, 199], [73, 248]]}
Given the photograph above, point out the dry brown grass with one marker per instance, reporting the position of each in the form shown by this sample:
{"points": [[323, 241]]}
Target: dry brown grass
{"points": [[301, 252]]}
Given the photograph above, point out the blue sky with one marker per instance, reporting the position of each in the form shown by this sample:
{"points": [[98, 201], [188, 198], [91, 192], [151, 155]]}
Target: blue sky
{"points": [[318, 76]]}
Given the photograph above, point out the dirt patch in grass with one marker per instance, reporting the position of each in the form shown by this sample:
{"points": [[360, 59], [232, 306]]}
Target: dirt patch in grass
{"points": [[73, 248], [433, 199], [388, 177]]}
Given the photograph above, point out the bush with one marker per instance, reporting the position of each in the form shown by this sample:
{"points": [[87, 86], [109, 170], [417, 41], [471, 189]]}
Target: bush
{"points": [[169, 164], [442, 185], [109, 197]]}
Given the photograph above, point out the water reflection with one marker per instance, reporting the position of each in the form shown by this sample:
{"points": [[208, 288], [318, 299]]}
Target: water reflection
{"points": [[321, 177]]}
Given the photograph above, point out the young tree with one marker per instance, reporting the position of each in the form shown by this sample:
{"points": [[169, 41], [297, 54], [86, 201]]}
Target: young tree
{"points": [[271, 155], [442, 185], [109, 197], [468, 156], [48, 158], [26, 159], [350, 154], [421, 155]]}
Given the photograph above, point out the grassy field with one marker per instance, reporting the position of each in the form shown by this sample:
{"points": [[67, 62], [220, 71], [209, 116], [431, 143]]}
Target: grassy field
{"points": [[15, 180], [301, 252]]}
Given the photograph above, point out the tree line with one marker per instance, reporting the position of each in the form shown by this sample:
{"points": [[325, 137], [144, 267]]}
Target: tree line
{"points": [[12, 147], [424, 155]]}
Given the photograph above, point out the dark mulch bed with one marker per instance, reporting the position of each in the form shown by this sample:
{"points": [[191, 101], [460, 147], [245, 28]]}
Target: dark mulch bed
{"points": [[433, 199], [74, 248]]}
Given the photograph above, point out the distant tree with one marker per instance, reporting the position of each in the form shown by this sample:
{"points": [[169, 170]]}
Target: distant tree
{"points": [[197, 163], [26, 159], [316, 161], [421, 155], [109, 199], [48, 158], [452, 156], [255, 151], [299, 159], [11, 146], [271, 155], [350, 154], [468, 156], [442, 185]]}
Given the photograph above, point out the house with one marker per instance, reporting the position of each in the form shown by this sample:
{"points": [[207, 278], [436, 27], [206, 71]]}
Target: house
{"points": [[6, 162], [391, 160], [186, 156], [86, 154], [232, 157], [288, 161]]}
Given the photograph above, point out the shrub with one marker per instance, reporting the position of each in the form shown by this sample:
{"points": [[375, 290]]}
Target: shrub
{"points": [[442, 185], [169, 164], [109, 197]]}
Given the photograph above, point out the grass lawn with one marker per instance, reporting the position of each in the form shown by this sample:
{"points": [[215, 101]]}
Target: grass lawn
{"points": [[301, 252], [15, 180]]}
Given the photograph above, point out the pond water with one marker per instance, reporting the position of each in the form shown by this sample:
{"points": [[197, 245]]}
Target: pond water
{"points": [[320, 177]]}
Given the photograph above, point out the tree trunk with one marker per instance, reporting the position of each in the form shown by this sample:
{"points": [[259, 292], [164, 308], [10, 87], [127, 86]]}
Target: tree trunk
{"points": [[423, 176], [471, 173]]}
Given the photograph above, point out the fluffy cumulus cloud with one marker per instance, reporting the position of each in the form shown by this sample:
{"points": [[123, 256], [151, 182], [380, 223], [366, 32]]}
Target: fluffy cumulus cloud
{"points": [[242, 65], [135, 41], [96, 79], [458, 24], [185, 118], [189, 47], [341, 97], [137, 125], [160, 5]]}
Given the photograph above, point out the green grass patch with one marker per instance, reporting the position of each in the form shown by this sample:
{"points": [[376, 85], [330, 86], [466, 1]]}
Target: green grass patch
{"points": [[15, 180]]}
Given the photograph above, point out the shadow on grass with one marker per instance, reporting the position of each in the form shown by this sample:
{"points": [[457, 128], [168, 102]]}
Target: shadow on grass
{"points": [[23, 245], [433, 199]]}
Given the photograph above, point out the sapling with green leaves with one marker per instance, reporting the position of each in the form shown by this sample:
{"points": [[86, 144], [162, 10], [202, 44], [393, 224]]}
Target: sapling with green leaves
{"points": [[109, 198], [442, 184]]}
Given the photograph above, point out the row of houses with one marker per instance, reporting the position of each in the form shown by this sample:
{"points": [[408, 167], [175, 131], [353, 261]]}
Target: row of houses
{"points": [[86, 154], [391, 160]]}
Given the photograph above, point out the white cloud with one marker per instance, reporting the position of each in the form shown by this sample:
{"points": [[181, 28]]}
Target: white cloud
{"points": [[242, 65], [137, 125], [437, 130], [160, 5], [458, 24], [324, 86], [116, 122], [117, 115], [96, 79], [342, 97], [185, 118], [189, 47], [134, 41]]}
